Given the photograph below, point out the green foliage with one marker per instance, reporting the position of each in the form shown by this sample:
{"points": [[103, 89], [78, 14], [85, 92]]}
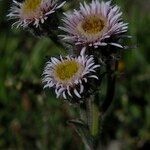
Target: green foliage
{"points": [[31, 118]]}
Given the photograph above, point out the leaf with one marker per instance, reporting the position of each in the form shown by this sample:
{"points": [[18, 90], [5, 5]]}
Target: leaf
{"points": [[83, 132]]}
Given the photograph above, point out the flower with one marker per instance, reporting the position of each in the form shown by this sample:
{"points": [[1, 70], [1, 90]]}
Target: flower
{"points": [[32, 11], [93, 24], [69, 75]]}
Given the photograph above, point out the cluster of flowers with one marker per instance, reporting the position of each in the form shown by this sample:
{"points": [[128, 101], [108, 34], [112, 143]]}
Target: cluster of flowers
{"points": [[89, 29]]}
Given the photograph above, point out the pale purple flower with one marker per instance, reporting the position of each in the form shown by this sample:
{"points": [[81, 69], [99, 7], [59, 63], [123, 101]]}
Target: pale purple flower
{"points": [[93, 24], [68, 75], [32, 11]]}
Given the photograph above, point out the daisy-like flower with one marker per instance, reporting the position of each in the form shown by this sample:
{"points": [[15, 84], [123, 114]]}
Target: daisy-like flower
{"points": [[69, 75], [93, 24], [32, 11]]}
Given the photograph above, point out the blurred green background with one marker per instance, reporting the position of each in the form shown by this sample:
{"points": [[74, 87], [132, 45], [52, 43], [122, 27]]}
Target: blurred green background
{"points": [[31, 118]]}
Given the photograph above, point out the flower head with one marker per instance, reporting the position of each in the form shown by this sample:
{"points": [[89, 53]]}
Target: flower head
{"points": [[93, 24], [69, 75], [32, 11]]}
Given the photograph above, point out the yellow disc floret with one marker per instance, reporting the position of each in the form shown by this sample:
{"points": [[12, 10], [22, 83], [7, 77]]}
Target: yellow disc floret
{"points": [[30, 5], [91, 26], [66, 70]]}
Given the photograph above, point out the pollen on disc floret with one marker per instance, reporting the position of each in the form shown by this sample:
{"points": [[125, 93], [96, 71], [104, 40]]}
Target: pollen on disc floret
{"points": [[67, 75]]}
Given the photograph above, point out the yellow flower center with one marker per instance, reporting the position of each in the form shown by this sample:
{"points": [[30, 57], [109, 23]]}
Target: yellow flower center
{"points": [[92, 25], [66, 70], [30, 5]]}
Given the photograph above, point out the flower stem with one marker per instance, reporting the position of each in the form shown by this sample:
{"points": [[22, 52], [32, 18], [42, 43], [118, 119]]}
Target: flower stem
{"points": [[91, 118]]}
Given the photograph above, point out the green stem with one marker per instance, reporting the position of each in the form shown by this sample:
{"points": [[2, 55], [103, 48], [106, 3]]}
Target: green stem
{"points": [[92, 116], [86, 116]]}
